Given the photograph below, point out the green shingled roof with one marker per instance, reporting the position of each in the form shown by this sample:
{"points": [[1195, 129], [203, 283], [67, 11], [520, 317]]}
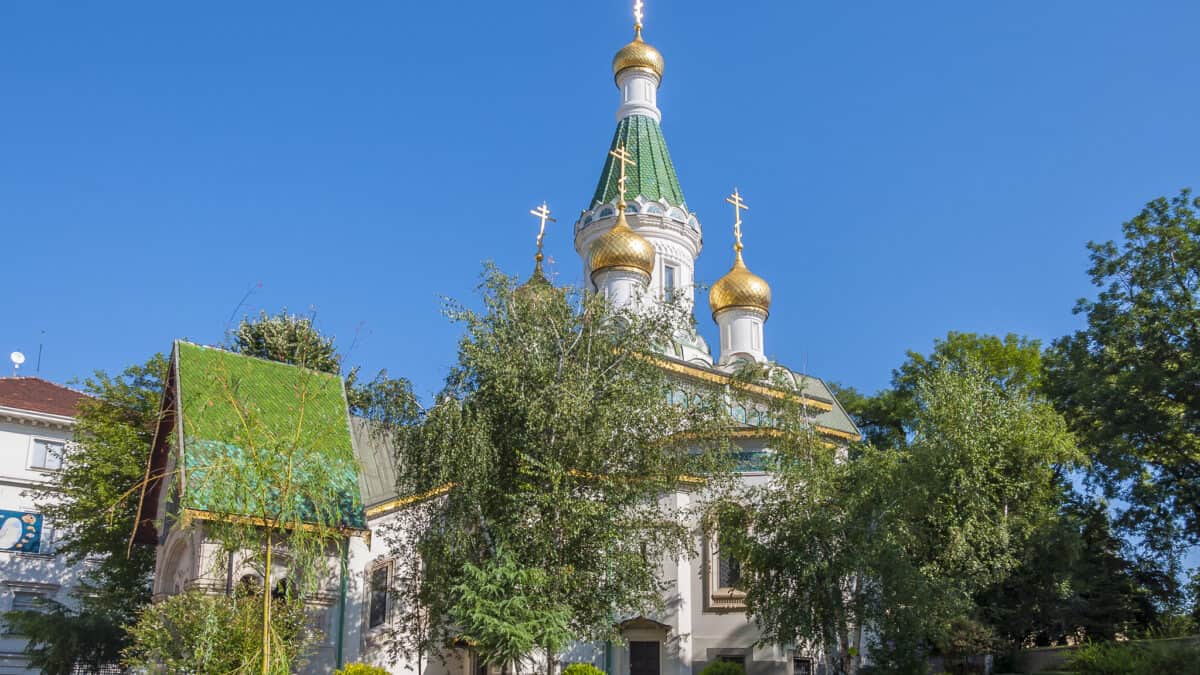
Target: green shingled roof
{"points": [[252, 427], [654, 176]]}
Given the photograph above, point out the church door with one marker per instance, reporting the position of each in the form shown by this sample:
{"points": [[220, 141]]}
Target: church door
{"points": [[643, 658]]}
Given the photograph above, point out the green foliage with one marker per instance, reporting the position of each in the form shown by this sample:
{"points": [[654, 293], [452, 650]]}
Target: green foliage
{"points": [[64, 642], [198, 633], [1073, 580], [963, 639], [504, 612], [887, 418], [360, 669], [286, 338], [556, 434], [582, 669], [1136, 658], [94, 502], [1129, 381], [900, 538], [722, 668]]}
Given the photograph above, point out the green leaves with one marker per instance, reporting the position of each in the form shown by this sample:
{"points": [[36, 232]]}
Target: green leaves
{"points": [[505, 611], [1130, 381], [899, 538], [557, 432]]}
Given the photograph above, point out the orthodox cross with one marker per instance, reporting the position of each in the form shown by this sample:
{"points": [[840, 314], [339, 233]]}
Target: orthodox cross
{"points": [[543, 213], [738, 207], [624, 159], [637, 15]]}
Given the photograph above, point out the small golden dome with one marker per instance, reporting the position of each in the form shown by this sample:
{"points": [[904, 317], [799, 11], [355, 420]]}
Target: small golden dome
{"points": [[740, 288], [622, 248], [638, 54]]}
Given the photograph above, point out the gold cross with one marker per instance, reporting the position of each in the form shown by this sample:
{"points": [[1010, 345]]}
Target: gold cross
{"points": [[625, 159], [738, 207], [637, 14], [543, 213]]}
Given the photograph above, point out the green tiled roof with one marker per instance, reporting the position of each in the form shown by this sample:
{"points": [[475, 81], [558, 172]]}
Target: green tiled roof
{"points": [[653, 177], [250, 424]]}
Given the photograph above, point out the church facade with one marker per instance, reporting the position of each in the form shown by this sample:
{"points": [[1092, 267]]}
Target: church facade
{"points": [[638, 243]]}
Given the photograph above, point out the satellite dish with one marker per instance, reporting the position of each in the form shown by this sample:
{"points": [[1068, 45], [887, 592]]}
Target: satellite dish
{"points": [[17, 358]]}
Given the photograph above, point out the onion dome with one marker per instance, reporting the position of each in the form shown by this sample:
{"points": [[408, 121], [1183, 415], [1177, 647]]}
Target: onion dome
{"points": [[740, 288], [638, 54], [623, 249]]}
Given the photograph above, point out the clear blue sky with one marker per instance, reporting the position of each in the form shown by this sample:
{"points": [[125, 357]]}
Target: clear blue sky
{"points": [[912, 168]]}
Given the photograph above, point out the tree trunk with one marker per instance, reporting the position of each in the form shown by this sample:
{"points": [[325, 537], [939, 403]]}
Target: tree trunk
{"points": [[266, 600]]}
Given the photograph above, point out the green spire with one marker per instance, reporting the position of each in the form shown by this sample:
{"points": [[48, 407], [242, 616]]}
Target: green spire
{"points": [[653, 177]]}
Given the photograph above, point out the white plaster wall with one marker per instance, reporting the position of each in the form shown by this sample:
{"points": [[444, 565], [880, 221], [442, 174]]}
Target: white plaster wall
{"points": [[741, 334]]}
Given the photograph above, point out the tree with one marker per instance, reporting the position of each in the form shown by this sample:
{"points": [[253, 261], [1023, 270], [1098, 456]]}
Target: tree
{"points": [[1130, 381], [886, 417], [504, 612], [194, 633], [899, 539], [286, 338], [553, 440], [94, 502]]}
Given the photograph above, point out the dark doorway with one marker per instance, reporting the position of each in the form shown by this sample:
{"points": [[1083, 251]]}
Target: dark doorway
{"points": [[643, 658]]}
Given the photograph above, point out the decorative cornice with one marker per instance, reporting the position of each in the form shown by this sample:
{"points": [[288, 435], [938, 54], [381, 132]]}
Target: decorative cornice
{"points": [[36, 419], [715, 377], [391, 505], [189, 515]]}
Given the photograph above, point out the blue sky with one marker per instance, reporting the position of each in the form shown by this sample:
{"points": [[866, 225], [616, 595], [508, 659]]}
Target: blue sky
{"points": [[912, 168]]}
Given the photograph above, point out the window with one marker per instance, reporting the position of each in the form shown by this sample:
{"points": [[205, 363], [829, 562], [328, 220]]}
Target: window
{"points": [[377, 613], [670, 272], [729, 569], [802, 666], [739, 659], [46, 454], [26, 601], [723, 571]]}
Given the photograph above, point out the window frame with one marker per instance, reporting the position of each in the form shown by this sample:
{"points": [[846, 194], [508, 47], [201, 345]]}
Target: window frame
{"points": [[388, 569], [47, 441], [671, 275], [718, 598]]}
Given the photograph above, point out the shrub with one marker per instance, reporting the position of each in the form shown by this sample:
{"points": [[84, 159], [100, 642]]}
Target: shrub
{"points": [[723, 668], [582, 669], [360, 669], [1135, 658]]}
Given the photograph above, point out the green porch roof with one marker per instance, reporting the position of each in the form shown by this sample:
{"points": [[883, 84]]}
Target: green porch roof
{"points": [[654, 176], [254, 430]]}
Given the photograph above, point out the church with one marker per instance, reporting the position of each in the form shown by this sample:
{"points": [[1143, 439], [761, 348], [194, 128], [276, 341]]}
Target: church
{"points": [[638, 243]]}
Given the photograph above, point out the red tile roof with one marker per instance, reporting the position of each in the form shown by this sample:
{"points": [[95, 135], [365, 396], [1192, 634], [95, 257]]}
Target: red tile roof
{"points": [[38, 395]]}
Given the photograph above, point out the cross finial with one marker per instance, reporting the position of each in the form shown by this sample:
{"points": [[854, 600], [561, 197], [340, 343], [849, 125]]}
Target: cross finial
{"points": [[624, 159], [637, 16], [738, 207], [542, 213]]}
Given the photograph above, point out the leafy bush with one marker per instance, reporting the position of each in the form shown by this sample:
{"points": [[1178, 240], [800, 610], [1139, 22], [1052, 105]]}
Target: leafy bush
{"points": [[198, 633], [1135, 658], [723, 668], [360, 669], [582, 669]]}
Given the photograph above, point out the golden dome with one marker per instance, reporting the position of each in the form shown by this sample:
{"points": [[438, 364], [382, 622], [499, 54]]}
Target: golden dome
{"points": [[621, 248], [638, 54], [740, 288]]}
